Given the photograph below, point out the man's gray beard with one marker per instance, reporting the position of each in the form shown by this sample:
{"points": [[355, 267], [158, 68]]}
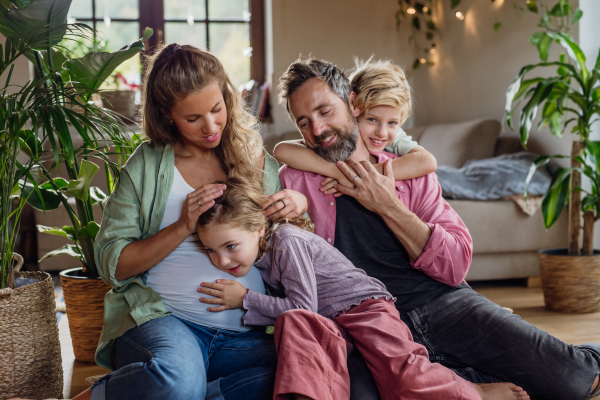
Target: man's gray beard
{"points": [[342, 148]]}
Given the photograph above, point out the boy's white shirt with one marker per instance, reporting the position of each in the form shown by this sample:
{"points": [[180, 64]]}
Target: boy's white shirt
{"points": [[402, 144]]}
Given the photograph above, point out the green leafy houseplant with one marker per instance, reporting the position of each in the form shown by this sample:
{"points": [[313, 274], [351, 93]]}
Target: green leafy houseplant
{"points": [[570, 96], [60, 107]]}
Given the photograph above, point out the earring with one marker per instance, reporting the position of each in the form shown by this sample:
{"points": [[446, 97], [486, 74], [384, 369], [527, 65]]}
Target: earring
{"points": [[171, 121]]}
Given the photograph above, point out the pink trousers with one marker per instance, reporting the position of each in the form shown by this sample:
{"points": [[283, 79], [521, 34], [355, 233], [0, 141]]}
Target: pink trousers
{"points": [[312, 356]]}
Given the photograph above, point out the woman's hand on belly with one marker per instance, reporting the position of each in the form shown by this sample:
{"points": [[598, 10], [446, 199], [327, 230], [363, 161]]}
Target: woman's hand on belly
{"points": [[229, 294], [285, 204], [198, 202]]}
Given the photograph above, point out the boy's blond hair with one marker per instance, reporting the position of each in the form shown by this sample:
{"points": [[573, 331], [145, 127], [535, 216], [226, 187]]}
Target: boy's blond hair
{"points": [[380, 83]]}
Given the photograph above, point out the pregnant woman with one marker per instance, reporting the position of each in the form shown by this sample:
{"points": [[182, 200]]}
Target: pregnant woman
{"points": [[159, 340]]}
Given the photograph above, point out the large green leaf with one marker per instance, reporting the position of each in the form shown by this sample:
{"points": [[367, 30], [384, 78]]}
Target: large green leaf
{"points": [[80, 187], [69, 249], [561, 9], [37, 16], [542, 41], [93, 69], [556, 197], [97, 195], [592, 151], [529, 112], [50, 199], [89, 231], [574, 51], [577, 15], [515, 89], [56, 231]]}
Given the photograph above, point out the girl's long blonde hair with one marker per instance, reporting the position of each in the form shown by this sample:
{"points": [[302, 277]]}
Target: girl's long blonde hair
{"points": [[175, 71], [241, 206]]}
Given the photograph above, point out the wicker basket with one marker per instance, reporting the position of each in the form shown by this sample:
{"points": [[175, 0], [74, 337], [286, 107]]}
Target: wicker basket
{"points": [[84, 298], [30, 358], [571, 284]]}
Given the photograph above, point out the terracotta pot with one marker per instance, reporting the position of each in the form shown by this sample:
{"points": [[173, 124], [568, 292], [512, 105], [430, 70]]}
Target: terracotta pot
{"points": [[571, 284], [84, 299]]}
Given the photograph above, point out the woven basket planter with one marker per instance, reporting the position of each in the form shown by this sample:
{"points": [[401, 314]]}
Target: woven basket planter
{"points": [[30, 358], [84, 298], [571, 284]]}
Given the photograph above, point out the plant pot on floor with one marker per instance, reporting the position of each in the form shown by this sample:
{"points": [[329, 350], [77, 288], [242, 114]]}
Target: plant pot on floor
{"points": [[84, 299], [122, 102], [30, 357], [571, 284]]}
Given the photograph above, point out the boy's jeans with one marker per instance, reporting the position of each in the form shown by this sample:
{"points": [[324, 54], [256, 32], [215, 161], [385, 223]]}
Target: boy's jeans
{"points": [[168, 358], [483, 342]]}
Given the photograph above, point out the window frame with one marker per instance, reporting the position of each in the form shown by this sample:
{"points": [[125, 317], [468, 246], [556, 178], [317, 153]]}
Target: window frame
{"points": [[152, 16]]}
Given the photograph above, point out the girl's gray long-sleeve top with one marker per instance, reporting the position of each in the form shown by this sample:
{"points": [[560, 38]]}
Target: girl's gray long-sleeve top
{"points": [[314, 276]]}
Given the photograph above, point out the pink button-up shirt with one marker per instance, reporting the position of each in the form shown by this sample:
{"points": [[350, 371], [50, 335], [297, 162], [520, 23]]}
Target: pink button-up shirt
{"points": [[446, 256]]}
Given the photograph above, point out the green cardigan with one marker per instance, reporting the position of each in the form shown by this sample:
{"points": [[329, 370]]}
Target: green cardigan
{"points": [[133, 212]]}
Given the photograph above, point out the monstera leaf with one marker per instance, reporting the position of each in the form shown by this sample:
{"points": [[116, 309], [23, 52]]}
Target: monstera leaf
{"points": [[93, 69]]}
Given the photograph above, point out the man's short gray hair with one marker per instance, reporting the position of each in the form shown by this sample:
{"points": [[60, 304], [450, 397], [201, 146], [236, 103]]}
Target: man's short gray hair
{"points": [[301, 71]]}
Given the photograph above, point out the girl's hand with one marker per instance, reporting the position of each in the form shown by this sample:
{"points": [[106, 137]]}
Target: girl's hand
{"points": [[328, 187], [285, 204], [228, 293], [196, 203]]}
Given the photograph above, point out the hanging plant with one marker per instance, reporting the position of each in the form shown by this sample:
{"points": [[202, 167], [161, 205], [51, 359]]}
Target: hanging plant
{"points": [[423, 26]]}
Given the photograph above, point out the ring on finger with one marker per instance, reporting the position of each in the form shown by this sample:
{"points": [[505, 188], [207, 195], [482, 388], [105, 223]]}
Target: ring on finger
{"points": [[355, 178], [284, 205], [199, 204]]}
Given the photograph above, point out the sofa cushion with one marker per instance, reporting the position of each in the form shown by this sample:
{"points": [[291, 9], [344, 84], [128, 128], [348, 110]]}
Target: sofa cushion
{"points": [[455, 144]]}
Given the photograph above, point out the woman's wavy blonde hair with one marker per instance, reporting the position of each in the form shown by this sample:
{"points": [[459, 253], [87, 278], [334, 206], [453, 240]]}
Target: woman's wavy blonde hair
{"points": [[175, 71], [241, 206], [380, 83]]}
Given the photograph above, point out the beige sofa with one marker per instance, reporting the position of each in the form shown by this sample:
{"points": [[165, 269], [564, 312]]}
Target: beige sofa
{"points": [[505, 240]]}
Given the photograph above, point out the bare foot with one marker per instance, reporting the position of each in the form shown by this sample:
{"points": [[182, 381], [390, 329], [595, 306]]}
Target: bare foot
{"points": [[501, 391]]}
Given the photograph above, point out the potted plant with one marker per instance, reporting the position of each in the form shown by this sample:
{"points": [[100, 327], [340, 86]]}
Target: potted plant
{"points": [[29, 330], [67, 111], [570, 277]]}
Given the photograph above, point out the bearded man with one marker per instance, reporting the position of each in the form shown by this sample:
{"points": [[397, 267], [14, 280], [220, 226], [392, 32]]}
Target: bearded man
{"points": [[407, 236]]}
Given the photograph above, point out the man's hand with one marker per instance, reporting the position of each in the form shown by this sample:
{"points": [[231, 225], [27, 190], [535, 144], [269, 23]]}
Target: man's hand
{"points": [[228, 293], [374, 191]]}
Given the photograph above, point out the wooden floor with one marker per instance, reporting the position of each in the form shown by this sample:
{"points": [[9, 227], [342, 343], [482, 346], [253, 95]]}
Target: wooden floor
{"points": [[526, 302]]}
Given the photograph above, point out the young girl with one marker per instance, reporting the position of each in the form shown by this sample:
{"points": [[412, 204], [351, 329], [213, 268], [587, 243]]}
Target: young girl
{"points": [[329, 306], [383, 102]]}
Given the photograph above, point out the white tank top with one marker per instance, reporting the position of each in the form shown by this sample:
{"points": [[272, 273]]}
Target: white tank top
{"points": [[177, 277]]}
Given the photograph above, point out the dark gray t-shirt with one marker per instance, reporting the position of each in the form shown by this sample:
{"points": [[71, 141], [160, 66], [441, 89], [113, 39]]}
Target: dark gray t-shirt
{"points": [[364, 238]]}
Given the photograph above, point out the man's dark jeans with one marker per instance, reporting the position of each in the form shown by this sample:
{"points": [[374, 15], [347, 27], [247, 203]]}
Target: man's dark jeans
{"points": [[483, 343]]}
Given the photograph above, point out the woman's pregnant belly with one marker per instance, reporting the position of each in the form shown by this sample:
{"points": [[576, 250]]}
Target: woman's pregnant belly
{"points": [[177, 278]]}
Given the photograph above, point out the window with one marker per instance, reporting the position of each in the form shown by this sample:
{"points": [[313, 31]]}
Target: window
{"points": [[231, 29], [117, 24]]}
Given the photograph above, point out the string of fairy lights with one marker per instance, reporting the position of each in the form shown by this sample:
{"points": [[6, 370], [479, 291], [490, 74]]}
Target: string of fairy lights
{"points": [[422, 16]]}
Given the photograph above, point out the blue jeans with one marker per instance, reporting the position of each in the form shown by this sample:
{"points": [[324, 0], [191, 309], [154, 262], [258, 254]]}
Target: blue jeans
{"points": [[168, 358]]}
